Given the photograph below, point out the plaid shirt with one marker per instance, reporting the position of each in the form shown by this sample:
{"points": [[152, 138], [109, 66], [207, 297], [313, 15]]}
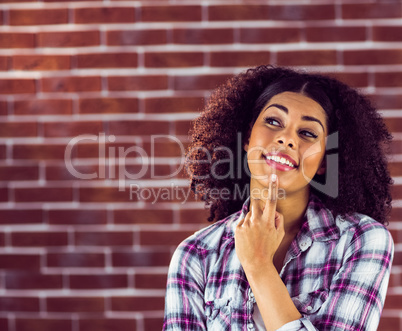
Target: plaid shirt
{"points": [[336, 272]]}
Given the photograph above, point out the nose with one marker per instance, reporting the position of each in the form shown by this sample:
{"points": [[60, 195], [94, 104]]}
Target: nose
{"points": [[286, 141]]}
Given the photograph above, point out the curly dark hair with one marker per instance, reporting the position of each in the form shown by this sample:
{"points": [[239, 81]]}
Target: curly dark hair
{"points": [[363, 178]]}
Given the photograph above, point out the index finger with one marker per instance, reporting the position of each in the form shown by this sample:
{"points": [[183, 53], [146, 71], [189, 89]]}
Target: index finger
{"points": [[270, 204]]}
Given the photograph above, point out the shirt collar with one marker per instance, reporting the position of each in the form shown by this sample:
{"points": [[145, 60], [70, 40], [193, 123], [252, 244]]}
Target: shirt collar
{"points": [[319, 223]]}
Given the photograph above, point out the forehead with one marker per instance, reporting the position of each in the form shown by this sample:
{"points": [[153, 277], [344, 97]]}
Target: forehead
{"points": [[296, 102]]}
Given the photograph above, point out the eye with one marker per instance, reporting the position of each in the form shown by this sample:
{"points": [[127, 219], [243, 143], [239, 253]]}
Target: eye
{"points": [[308, 134], [272, 121]]}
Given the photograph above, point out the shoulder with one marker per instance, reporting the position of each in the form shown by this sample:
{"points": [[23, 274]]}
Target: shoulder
{"points": [[363, 228], [353, 227]]}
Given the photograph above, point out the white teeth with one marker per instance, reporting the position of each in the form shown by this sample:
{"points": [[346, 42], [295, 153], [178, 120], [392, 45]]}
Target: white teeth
{"points": [[280, 160]]}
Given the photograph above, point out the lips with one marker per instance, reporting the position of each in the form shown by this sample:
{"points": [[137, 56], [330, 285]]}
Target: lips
{"points": [[280, 160]]}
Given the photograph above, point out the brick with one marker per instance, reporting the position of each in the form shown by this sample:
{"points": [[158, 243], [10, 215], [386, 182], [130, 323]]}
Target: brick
{"points": [[354, 79], [41, 62], [4, 321], [43, 194], [63, 173], [173, 104], [396, 148], [71, 84], [98, 281], [371, 10], [203, 36], [104, 324], [69, 39], [302, 12], [104, 194], [3, 152], [137, 83], [138, 303], [269, 35], [140, 128], [11, 173], [136, 37], [335, 33], [171, 13], [104, 15], [20, 216], [32, 280], [5, 63], [373, 56], [72, 129], [314, 58], [173, 59], [38, 152], [239, 58], [4, 196], [18, 129], [395, 168], [142, 216], [43, 107], [107, 60], [20, 262], [238, 12], [43, 324], [387, 101], [39, 239], [108, 105], [17, 40], [77, 216], [163, 238], [129, 171], [2, 242], [389, 323], [150, 281], [154, 258], [199, 82], [99, 238], [38, 17], [17, 86], [194, 216], [75, 304], [19, 304], [71, 260], [396, 192], [91, 150], [3, 108], [388, 79], [393, 301], [153, 323], [165, 148], [389, 33]]}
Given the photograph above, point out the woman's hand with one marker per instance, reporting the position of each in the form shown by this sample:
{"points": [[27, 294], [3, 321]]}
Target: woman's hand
{"points": [[259, 234]]}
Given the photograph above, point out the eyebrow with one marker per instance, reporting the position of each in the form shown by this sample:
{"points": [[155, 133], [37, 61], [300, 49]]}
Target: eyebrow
{"points": [[305, 118]]}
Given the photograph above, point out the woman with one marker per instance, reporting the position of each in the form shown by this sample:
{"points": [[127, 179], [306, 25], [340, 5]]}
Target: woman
{"points": [[306, 248]]}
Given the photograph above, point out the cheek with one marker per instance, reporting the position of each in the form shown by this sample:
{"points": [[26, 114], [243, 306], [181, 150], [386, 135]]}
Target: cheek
{"points": [[312, 156]]}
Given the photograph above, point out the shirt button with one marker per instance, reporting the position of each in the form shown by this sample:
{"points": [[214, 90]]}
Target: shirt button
{"points": [[250, 326], [309, 308]]}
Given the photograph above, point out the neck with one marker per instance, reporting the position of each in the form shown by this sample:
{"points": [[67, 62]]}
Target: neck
{"points": [[293, 209]]}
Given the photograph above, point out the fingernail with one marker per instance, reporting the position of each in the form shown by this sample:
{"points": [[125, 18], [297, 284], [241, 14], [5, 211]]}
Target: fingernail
{"points": [[273, 178]]}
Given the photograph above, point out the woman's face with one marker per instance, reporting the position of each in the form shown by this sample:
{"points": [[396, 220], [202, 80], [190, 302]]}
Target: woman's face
{"points": [[288, 139]]}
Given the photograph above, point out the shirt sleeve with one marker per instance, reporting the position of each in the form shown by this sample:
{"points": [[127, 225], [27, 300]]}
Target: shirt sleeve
{"points": [[184, 300], [357, 292]]}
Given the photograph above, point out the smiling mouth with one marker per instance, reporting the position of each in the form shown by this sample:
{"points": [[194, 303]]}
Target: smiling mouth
{"points": [[280, 160]]}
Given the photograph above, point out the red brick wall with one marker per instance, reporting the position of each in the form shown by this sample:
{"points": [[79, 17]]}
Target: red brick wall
{"points": [[79, 254]]}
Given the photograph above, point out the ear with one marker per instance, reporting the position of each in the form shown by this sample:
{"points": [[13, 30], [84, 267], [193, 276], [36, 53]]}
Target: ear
{"points": [[323, 167], [247, 140]]}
